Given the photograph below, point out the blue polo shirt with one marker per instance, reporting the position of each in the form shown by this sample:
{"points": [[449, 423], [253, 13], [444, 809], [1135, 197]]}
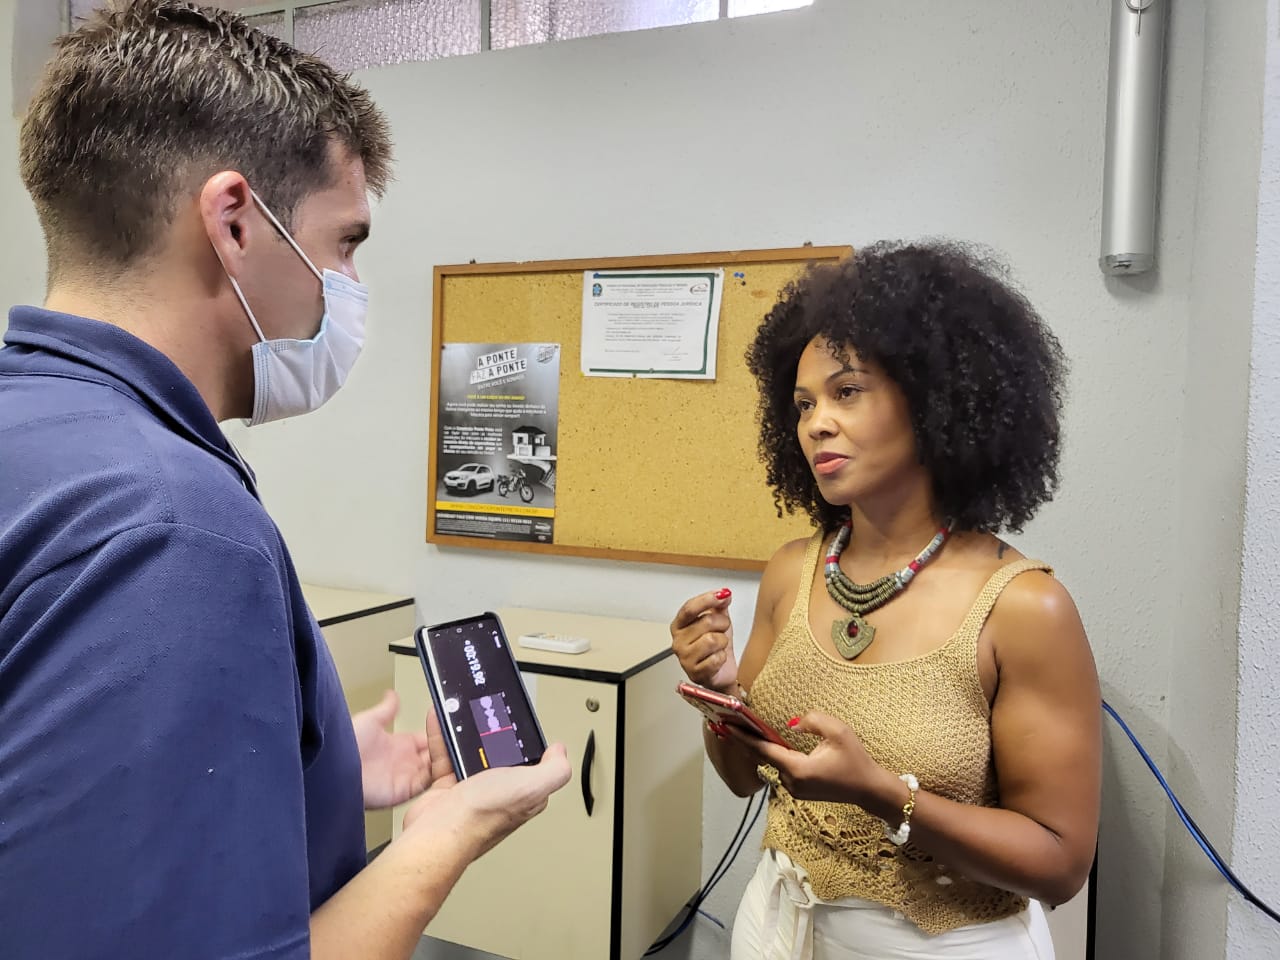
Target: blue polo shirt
{"points": [[178, 773]]}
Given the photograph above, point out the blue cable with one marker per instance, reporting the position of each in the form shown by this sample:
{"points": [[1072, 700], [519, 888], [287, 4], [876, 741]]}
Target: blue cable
{"points": [[1177, 805], [1192, 827], [711, 918]]}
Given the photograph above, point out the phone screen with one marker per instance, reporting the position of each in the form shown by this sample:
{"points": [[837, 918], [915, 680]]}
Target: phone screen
{"points": [[484, 709]]}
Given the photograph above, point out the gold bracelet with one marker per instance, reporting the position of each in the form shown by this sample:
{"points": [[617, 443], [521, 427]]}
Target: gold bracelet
{"points": [[900, 835]]}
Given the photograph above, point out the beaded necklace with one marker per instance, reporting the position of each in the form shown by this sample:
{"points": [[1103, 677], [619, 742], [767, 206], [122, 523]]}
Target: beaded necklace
{"points": [[851, 635]]}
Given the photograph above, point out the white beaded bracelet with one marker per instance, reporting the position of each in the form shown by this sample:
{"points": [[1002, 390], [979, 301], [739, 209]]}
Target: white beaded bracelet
{"points": [[903, 832]]}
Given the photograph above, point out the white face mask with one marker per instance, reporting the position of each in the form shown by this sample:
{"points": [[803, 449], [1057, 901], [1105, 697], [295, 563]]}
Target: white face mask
{"points": [[293, 377]]}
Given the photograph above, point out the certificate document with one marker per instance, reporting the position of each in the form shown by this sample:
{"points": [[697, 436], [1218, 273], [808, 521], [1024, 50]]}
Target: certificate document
{"points": [[651, 323]]}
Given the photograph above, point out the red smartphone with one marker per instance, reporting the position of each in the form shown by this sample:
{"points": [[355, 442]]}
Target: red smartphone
{"points": [[722, 708]]}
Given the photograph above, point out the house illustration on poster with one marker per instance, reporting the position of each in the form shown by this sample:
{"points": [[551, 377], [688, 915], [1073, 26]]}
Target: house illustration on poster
{"points": [[531, 442]]}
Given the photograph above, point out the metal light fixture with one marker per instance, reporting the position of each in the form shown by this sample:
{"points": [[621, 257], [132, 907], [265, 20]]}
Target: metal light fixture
{"points": [[1133, 136]]}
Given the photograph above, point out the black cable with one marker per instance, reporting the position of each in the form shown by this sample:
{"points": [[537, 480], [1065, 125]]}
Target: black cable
{"points": [[711, 884], [719, 872], [698, 898]]}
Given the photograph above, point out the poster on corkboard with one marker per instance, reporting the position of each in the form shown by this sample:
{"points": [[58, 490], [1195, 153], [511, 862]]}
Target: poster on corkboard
{"points": [[496, 441]]}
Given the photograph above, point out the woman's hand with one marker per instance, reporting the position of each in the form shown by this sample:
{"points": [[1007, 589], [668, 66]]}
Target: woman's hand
{"points": [[702, 638], [837, 770]]}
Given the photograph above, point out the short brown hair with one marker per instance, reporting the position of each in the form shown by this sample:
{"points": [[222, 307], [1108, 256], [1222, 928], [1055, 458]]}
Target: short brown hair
{"points": [[149, 98]]}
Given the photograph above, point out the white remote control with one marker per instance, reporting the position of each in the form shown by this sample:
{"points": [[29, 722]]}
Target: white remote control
{"points": [[554, 642]]}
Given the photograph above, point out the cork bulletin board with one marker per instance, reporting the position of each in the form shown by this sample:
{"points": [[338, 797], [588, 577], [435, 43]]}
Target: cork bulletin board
{"points": [[649, 470]]}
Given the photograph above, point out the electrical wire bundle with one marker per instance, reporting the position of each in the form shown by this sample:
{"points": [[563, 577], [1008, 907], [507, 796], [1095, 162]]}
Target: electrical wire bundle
{"points": [[730, 855]]}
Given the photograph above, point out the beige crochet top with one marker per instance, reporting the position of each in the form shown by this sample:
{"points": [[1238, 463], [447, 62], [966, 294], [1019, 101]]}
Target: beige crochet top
{"points": [[927, 716]]}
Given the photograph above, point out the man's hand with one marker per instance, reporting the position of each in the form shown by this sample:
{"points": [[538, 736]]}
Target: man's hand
{"points": [[394, 767], [489, 806], [382, 911]]}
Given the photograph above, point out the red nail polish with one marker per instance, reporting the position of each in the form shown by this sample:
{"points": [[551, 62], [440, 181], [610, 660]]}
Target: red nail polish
{"points": [[793, 722], [724, 593]]}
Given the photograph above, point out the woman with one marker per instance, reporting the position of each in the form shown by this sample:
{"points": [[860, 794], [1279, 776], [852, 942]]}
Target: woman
{"points": [[936, 686]]}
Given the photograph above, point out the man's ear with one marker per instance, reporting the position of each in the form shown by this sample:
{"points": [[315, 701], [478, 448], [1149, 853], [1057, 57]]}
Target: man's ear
{"points": [[227, 212]]}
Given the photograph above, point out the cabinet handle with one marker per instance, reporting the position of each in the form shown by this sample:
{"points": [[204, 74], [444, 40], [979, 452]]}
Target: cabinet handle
{"points": [[588, 755]]}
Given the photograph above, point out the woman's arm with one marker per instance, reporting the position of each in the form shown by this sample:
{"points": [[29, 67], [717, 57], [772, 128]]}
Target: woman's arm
{"points": [[702, 636]]}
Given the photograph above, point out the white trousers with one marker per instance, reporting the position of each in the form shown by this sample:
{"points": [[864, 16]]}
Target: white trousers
{"points": [[780, 919]]}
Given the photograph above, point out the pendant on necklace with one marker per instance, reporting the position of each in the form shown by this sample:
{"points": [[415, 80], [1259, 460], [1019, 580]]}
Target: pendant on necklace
{"points": [[852, 635]]}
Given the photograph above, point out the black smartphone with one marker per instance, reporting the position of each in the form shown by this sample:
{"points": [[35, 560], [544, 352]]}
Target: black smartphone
{"points": [[485, 712]]}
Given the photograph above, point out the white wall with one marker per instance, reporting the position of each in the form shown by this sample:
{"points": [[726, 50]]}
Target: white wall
{"points": [[840, 123], [38, 22], [1250, 935], [21, 249], [1210, 516]]}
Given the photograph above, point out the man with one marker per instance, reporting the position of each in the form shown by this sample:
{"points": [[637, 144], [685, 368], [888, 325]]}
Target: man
{"points": [[178, 776]]}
